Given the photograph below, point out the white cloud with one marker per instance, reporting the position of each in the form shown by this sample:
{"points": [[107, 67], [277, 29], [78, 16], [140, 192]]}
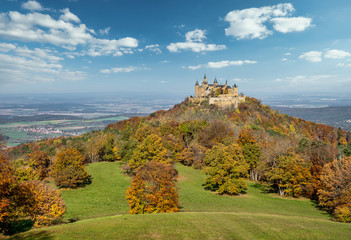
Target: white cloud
{"points": [[37, 53], [195, 36], [222, 64], [293, 24], [284, 59], [194, 42], [336, 54], [33, 69], [5, 47], [37, 27], [103, 47], [66, 32], [123, 69], [32, 5], [194, 67], [105, 31], [67, 16], [154, 48], [317, 56], [302, 80], [251, 23], [312, 56], [341, 65]]}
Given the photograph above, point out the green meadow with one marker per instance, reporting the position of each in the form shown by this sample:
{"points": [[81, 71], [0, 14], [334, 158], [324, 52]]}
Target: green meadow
{"points": [[100, 211]]}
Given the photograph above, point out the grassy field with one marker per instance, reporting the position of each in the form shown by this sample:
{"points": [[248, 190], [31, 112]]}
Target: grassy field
{"points": [[204, 215], [104, 196]]}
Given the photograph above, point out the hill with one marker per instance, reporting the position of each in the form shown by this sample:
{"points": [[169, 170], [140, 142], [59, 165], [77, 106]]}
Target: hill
{"points": [[280, 169], [204, 215]]}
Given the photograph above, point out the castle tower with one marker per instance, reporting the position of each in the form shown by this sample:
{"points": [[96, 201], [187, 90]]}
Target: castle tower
{"points": [[204, 83], [215, 83], [235, 90], [197, 89]]}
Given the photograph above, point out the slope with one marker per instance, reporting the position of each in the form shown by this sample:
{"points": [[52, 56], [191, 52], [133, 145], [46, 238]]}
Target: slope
{"points": [[205, 215]]}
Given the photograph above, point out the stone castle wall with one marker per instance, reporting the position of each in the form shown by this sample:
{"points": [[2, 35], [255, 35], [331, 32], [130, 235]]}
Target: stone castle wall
{"points": [[222, 101]]}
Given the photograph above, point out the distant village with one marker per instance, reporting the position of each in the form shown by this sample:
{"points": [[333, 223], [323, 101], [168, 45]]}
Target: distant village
{"points": [[46, 131]]}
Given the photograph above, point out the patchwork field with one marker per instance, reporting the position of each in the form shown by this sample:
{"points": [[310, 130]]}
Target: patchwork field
{"points": [[22, 132], [101, 211]]}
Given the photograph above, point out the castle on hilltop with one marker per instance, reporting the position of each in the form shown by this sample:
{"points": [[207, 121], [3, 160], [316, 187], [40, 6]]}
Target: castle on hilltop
{"points": [[220, 95]]}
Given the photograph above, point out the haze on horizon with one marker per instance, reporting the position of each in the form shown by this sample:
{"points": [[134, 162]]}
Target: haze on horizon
{"points": [[163, 47]]}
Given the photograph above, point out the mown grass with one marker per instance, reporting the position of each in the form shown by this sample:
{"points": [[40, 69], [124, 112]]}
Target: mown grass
{"points": [[104, 196], [194, 198], [204, 215]]}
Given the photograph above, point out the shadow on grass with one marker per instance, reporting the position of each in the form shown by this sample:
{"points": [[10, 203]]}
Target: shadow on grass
{"points": [[323, 211], [38, 235], [264, 188], [12, 228]]}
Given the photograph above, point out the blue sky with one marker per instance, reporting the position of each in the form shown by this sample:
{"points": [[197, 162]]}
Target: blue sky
{"points": [[163, 47]]}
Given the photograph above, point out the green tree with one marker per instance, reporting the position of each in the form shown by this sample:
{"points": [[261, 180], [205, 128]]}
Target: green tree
{"points": [[68, 169], [289, 174], [251, 151], [226, 170], [151, 149], [190, 129]]}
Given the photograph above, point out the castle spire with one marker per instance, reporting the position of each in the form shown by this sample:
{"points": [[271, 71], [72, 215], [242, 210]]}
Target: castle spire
{"points": [[205, 78], [197, 83]]}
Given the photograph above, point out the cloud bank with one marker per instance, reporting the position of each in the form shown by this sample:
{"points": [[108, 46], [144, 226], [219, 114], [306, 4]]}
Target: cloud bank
{"points": [[252, 23]]}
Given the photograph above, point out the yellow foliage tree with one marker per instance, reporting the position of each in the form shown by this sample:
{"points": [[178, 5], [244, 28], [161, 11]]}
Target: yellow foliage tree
{"points": [[68, 169], [151, 149]]}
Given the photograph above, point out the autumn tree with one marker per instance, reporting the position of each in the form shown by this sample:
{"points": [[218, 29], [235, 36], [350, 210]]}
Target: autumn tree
{"points": [[226, 170], [319, 154], [45, 202], [21, 200], [68, 169], [289, 174], [39, 161], [153, 189], [335, 192], [186, 157], [107, 151], [10, 196], [151, 149], [190, 129], [215, 133], [251, 151]]}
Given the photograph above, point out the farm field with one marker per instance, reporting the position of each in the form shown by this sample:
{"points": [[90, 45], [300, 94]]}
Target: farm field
{"points": [[101, 212], [22, 132]]}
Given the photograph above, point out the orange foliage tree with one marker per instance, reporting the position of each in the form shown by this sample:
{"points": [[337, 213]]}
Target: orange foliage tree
{"points": [[46, 204], [68, 169], [153, 189], [335, 192], [24, 200]]}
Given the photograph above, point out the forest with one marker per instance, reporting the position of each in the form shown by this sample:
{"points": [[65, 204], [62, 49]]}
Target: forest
{"points": [[234, 147]]}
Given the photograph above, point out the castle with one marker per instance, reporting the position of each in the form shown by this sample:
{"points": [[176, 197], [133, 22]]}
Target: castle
{"points": [[220, 95]]}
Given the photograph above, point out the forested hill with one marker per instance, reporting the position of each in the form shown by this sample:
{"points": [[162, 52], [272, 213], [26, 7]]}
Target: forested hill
{"points": [[291, 156], [251, 114]]}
